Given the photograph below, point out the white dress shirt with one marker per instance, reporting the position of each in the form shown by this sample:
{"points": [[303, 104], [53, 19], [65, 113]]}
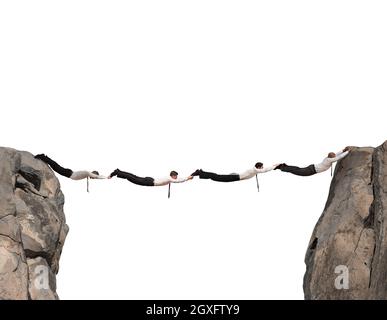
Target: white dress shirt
{"points": [[79, 175], [168, 180], [327, 162], [253, 171]]}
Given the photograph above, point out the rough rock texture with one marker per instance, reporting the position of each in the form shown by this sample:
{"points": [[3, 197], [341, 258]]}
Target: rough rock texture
{"points": [[32, 227], [351, 232]]}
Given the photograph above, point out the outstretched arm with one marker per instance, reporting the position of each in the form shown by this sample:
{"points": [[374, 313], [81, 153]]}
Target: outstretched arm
{"points": [[340, 155], [180, 180], [346, 149], [267, 169], [96, 176]]}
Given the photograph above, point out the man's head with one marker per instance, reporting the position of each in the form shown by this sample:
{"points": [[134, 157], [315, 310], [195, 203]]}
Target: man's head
{"points": [[331, 155], [173, 174], [259, 165]]}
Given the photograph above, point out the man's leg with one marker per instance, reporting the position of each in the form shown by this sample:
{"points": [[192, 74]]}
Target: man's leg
{"points": [[55, 166], [307, 171], [218, 177], [147, 181]]}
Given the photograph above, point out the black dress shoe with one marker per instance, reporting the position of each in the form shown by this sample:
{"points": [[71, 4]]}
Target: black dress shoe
{"points": [[279, 167], [114, 173], [40, 156], [196, 173]]}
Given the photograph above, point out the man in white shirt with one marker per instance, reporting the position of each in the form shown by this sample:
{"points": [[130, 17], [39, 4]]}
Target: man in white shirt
{"points": [[74, 175], [258, 168], [315, 168], [148, 181]]}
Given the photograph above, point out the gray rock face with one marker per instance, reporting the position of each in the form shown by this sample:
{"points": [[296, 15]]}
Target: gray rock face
{"points": [[347, 254], [32, 227]]}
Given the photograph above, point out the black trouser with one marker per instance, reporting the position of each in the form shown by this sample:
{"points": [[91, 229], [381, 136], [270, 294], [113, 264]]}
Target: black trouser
{"points": [[307, 171], [147, 181], [56, 167], [219, 177]]}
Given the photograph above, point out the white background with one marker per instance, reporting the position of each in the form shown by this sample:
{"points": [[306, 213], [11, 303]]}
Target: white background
{"points": [[151, 86]]}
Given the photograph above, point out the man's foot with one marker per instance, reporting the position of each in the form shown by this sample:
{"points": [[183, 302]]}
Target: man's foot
{"points": [[114, 173], [40, 156], [196, 173]]}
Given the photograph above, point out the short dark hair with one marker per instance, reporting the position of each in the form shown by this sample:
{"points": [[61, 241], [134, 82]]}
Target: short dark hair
{"points": [[259, 165], [95, 172], [173, 173]]}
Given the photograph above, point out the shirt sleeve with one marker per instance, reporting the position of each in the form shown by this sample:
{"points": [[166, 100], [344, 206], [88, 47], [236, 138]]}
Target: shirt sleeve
{"points": [[179, 180], [340, 155], [263, 170], [96, 176]]}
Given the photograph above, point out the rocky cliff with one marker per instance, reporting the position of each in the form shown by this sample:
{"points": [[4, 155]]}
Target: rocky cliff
{"points": [[346, 257], [347, 254], [32, 227]]}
